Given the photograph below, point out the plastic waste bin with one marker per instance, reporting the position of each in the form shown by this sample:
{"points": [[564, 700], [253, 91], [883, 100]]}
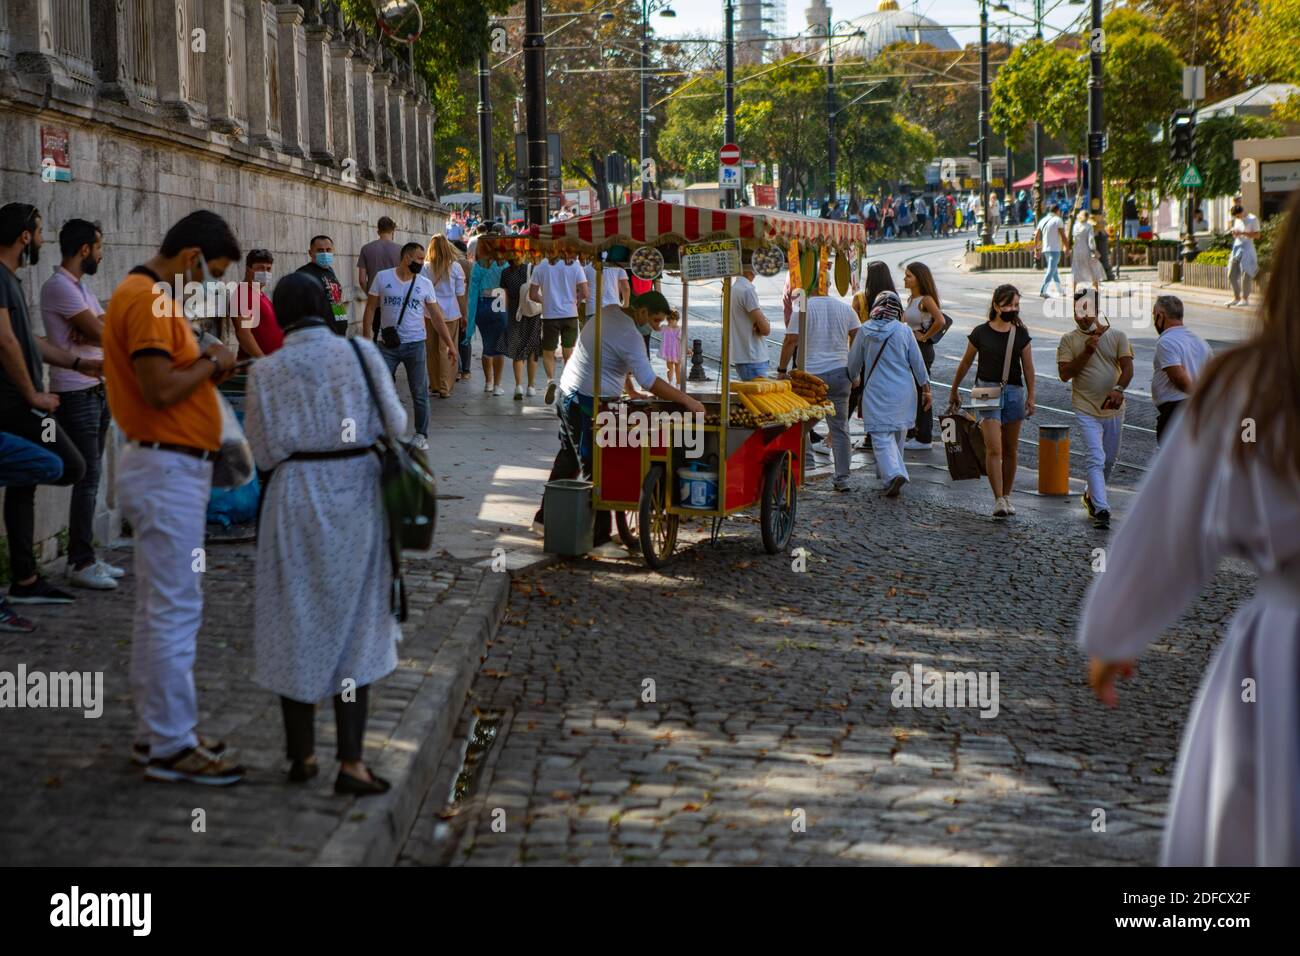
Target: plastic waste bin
{"points": [[570, 519]]}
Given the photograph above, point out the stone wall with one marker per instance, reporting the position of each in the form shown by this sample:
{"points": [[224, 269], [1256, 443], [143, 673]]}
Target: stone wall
{"points": [[285, 124]]}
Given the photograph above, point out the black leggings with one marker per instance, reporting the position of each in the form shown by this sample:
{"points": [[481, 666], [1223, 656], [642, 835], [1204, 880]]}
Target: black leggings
{"points": [[349, 722]]}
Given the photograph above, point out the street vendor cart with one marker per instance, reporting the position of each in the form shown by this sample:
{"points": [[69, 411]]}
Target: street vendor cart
{"points": [[753, 432]]}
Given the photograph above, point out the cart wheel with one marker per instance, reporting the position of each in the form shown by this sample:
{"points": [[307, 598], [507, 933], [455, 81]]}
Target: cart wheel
{"points": [[780, 504], [657, 528], [627, 523]]}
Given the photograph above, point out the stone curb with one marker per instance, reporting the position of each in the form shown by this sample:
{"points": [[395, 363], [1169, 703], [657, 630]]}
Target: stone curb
{"points": [[375, 833]]}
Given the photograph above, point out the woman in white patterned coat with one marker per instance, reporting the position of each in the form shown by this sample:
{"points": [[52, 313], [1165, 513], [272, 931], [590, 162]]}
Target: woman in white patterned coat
{"points": [[1225, 483], [323, 621]]}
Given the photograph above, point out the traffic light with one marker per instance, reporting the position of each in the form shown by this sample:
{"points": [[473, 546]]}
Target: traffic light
{"points": [[1182, 132], [973, 150]]}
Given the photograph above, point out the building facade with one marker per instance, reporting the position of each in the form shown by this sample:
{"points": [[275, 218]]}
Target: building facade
{"points": [[283, 118]]}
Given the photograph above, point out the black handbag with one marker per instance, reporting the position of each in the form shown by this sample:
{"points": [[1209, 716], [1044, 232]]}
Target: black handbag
{"points": [[410, 494], [387, 335], [947, 324]]}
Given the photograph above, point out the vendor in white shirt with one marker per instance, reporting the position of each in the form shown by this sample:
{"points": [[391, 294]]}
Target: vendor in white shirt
{"points": [[622, 350]]}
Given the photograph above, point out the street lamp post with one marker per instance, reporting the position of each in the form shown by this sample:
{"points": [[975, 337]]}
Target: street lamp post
{"points": [[645, 97], [986, 236], [1038, 127], [729, 93], [1096, 126], [535, 83], [832, 190], [487, 166]]}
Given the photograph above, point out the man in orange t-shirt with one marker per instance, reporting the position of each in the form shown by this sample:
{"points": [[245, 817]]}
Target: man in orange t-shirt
{"points": [[162, 393]]}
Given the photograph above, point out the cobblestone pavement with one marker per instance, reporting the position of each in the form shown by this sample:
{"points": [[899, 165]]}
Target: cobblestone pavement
{"points": [[772, 702], [69, 794]]}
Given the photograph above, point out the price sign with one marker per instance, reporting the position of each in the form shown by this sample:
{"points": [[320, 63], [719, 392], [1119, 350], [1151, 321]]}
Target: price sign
{"points": [[711, 260]]}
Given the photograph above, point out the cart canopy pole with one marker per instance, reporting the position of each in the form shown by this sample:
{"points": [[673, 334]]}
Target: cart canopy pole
{"points": [[595, 398], [724, 377]]}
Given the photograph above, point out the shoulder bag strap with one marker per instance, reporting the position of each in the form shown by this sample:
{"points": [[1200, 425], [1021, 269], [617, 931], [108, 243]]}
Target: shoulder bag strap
{"points": [[875, 363], [1006, 362], [370, 385]]}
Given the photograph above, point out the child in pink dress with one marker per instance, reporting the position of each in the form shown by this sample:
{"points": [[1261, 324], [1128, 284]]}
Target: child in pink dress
{"points": [[670, 347]]}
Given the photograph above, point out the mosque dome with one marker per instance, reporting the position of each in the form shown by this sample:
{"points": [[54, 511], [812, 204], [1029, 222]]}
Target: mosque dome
{"points": [[887, 26]]}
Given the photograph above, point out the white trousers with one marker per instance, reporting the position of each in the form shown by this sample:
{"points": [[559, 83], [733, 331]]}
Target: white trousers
{"points": [[164, 495], [1101, 447], [888, 450]]}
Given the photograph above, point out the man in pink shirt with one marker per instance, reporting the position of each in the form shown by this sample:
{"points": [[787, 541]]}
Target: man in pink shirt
{"points": [[74, 323]]}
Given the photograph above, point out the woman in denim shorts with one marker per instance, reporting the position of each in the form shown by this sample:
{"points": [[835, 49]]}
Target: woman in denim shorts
{"points": [[1000, 426]]}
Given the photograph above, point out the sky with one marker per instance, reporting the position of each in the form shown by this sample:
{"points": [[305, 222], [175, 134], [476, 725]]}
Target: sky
{"points": [[961, 16]]}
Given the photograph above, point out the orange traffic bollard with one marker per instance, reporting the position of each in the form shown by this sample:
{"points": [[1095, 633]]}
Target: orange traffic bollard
{"points": [[1053, 459]]}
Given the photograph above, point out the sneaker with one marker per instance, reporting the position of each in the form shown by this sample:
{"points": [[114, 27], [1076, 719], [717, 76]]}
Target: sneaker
{"points": [[531, 391], [519, 394], [841, 486], [1101, 520], [895, 486], [13, 622], [1088, 505], [1000, 508], [499, 391], [1230, 303], [91, 577], [111, 570], [913, 445], [194, 765], [420, 442], [140, 752], [39, 591], [1006, 500], [487, 387], [550, 392]]}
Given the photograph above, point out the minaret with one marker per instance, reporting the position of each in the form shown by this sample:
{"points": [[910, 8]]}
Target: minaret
{"points": [[817, 16]]}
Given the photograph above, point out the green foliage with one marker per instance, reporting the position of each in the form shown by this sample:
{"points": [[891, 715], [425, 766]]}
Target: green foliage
{"points": [[1006, 247], [1212, 257], [1213, 154], [1143, 80], [1041, 81], [1269, 234]]}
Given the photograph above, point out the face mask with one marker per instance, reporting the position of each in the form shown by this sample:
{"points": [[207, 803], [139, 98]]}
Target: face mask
{"points": [[1010, 315], [262, 278], [324, 259], [645, 329], [89, 266]]}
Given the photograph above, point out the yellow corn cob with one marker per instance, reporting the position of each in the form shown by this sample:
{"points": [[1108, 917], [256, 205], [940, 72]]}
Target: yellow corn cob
{"points": [[750, 403]]}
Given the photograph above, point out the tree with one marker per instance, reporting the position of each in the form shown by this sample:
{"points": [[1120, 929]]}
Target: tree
{"points": [[1040, 81], [939, 91], [1196, 31], [1263, 44], [1143, 85]]}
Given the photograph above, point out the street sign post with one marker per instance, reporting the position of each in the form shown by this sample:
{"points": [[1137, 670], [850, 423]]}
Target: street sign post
{"points": [[730, 177], [1194, 83], [729, 155], [1191, 178]]}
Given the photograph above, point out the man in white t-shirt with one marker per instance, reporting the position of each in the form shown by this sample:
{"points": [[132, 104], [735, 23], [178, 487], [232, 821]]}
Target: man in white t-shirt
{"points": [[1179, 357], [408, 308], [1242, 262], [559, 284], [747, 343], [1049, 239], [831, 325], [615, 288]]}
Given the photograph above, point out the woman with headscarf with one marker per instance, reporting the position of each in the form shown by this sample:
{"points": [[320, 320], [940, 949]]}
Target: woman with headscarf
{"points": [[878, 279], [886, 361], [1085, 264], [323, 622]]}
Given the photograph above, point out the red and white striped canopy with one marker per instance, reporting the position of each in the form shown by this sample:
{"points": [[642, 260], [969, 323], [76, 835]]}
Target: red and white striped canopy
{"points": [[651, 222]]}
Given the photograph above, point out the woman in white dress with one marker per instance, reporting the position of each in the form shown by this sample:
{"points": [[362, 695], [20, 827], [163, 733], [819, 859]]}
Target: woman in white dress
{"points": [[323, 621], [1226, 483], [1085, 264]]}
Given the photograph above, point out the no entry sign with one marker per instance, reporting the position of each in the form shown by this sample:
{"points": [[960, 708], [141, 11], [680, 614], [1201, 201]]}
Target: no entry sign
{"points": [[729, 155]]}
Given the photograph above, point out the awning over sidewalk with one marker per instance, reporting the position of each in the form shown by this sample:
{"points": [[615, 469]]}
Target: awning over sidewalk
{"points": [[1055, 174]]}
